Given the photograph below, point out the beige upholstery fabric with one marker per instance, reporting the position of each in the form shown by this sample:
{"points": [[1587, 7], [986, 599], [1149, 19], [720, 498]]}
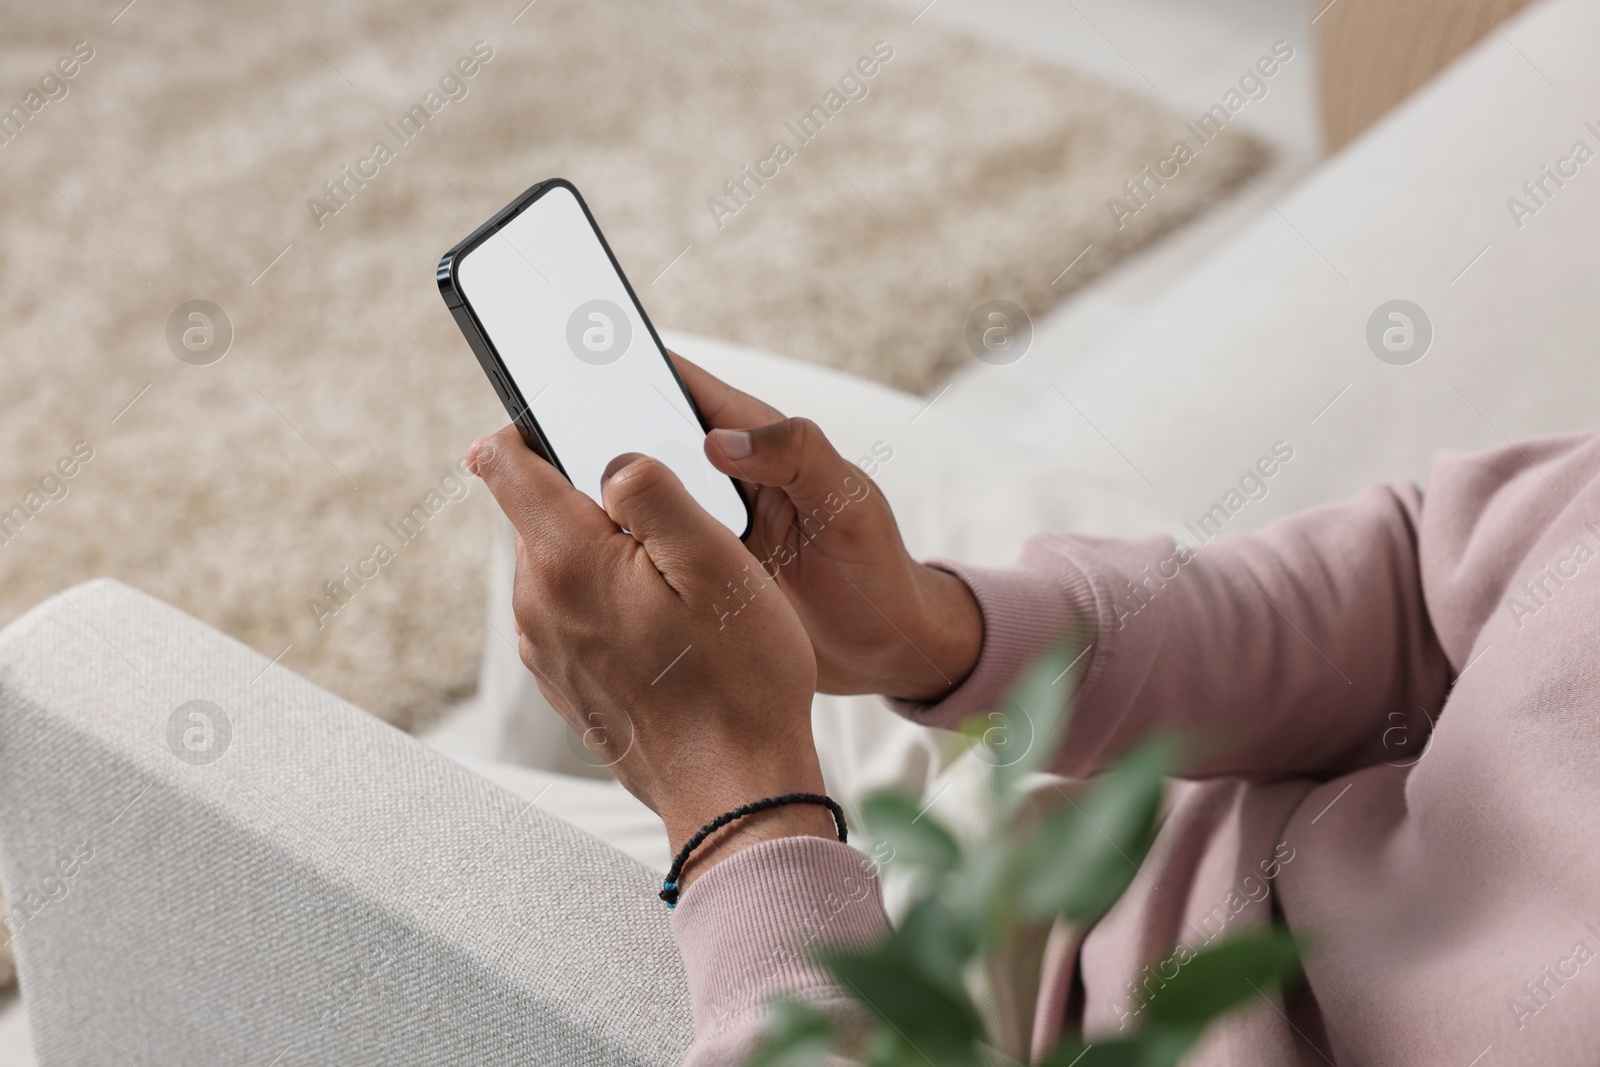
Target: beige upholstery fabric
{"points": [[329, 890]]}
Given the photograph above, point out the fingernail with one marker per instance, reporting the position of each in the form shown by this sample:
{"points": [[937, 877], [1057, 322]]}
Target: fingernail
{"points": [[735, 444], [472, 454], [615, 465]]}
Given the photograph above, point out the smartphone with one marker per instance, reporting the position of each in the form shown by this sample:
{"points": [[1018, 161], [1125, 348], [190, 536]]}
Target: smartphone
{"points": [[565, 342]]}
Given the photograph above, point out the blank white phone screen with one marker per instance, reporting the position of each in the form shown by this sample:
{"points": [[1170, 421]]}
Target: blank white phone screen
{"points": [[574, 343]]}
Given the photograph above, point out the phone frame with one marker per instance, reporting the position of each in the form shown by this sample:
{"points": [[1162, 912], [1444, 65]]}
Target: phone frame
{"points": [[489, 359]]}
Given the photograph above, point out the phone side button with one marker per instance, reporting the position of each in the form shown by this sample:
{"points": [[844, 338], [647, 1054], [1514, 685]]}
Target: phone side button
{"points": [[507, 394]]}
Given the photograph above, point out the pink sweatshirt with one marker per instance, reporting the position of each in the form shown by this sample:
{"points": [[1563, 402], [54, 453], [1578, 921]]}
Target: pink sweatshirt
{"points": [[1401, 698]]}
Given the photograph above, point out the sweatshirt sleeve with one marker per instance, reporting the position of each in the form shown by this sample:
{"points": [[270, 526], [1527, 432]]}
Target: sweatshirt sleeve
{"points": [[1279, 653], [749, 928]]}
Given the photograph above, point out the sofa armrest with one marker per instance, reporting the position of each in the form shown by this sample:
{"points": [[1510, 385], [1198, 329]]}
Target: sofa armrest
{"points": [[274, 877]]}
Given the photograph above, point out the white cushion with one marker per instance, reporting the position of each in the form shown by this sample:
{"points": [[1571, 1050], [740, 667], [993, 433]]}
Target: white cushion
{"points": [[1249, 348]]}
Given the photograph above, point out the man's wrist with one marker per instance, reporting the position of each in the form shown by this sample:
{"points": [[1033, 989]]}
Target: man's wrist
{"points": [[944, 648], [790, 820]]}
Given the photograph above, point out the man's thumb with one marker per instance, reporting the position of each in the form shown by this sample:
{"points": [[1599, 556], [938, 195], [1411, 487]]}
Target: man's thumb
{"points": [[791, 454], [644, 497], [535, 496]]}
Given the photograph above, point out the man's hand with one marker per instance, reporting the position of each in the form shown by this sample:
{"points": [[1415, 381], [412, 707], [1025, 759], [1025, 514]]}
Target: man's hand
{"points": [[879, 621], [617, 618]]}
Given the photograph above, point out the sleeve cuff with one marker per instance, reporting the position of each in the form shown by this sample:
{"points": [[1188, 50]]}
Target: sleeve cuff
{"points": [[748, 927], [1024, 613]]}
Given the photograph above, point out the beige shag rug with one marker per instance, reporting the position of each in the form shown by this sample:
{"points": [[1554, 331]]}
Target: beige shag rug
{"points": [[201, 152]]}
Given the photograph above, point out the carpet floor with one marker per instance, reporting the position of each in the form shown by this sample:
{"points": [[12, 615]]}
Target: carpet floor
{"points": [[832, 181]]}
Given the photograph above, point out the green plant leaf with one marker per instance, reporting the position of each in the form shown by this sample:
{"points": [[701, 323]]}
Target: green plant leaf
{"points": [[1221, 978], [1085, 852], [939, 941], [796, 1034], [1159, 1046], [888, 1049], [1074, 1052], [984, 892], [936, 1020], [1021, 735], [917, 838]]}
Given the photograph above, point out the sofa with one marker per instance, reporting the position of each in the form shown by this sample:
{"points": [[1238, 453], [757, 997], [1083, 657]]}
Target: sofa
{"points": [[221, 863]]}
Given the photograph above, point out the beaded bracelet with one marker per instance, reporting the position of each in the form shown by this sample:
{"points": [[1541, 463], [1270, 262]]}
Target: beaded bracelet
{"points": [[669, 888]]}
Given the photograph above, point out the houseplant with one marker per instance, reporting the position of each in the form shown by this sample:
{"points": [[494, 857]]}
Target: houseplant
{"points": [[977, 903]]}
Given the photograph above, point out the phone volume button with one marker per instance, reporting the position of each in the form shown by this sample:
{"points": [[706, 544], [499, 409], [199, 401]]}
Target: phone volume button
{"points": [[503, 387]]}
